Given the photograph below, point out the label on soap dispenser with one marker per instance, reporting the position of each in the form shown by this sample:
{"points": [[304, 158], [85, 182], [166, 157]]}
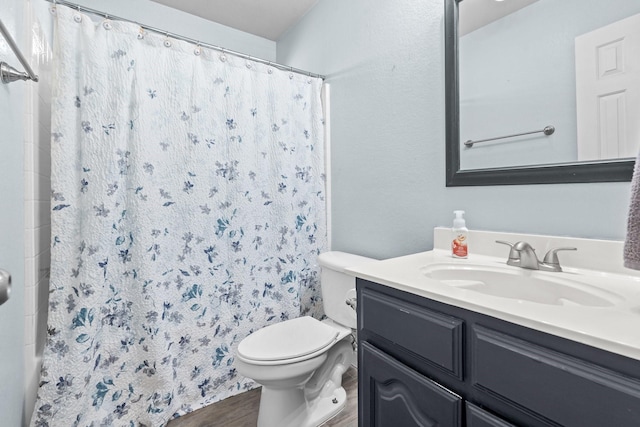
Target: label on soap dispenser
{"points": [[459, 246]]}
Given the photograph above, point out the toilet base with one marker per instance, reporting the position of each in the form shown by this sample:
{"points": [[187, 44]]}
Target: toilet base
{"points": [[313, 400], [327, 407], [288, 408]]}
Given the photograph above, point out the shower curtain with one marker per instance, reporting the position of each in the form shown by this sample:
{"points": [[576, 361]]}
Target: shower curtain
{"points": [[187, 211]]}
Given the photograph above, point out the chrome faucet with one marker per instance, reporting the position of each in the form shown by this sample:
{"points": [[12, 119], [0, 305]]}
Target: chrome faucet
{"points": [[523, 255]]}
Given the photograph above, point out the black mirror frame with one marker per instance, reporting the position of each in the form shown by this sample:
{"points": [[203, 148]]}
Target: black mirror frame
{"points": [[600, 171]]}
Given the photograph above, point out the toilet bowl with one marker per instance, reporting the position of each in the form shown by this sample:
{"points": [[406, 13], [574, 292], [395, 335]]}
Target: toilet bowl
{"points": [[300, 362]]}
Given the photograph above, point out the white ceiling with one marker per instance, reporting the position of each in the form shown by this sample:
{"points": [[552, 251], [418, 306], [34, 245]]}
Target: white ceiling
{"points": [[272, 18], [475, 14], [265, 18]]}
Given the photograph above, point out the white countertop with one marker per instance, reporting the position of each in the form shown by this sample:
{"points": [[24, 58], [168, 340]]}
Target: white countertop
{"points": [[615, 328]]}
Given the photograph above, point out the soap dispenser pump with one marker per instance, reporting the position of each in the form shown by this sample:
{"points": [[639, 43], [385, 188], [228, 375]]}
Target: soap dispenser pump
{"points": [[459, 241]]}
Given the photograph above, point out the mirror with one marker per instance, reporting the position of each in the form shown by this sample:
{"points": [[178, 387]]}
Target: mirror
{"points": [[491, 99]]}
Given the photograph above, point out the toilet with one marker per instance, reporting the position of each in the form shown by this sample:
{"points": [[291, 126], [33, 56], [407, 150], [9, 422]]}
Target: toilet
{"points": [[300, 362]]}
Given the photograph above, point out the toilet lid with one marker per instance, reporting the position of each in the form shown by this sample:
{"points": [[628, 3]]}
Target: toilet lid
{"points": [[287, 340]]}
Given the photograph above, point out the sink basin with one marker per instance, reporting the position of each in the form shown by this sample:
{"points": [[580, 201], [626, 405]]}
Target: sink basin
{"points": [[521, 284]]}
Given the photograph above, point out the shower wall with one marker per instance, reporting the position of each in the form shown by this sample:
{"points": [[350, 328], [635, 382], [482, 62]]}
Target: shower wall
{"points": [[11, 224], [37, 187]]}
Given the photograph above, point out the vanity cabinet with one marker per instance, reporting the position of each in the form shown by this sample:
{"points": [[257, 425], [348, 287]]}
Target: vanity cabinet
{"points": [[425, 363], [399, 396]]}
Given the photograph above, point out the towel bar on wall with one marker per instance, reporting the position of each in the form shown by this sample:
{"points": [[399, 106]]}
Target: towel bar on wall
{"points": [[548, 130], [9, 74]]}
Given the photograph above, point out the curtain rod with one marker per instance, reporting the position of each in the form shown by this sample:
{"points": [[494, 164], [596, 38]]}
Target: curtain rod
{"points": [[9, 74], [187, 39]]}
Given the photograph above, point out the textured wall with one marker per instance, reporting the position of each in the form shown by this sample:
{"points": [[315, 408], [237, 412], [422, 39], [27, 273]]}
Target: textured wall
{"points": [[385, 62]]}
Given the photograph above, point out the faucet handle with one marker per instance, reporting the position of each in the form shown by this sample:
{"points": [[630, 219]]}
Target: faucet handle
{"points": [[518, 246], [513, 254], [504, 243], [551, 257]]}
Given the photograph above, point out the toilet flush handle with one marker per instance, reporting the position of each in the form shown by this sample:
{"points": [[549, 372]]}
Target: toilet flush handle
{"points": [[351, 302]]}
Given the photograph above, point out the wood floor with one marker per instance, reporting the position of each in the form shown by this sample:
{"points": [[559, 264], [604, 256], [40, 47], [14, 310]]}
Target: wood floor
{"points": [[242, 410]]}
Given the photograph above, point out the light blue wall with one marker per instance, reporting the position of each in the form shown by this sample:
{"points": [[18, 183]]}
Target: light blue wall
{"points": [[385, 63], [162, 17], [518, 74], [11, 226]]}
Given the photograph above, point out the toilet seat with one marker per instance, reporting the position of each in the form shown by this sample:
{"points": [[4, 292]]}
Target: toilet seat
{"points": [[287, 342]]}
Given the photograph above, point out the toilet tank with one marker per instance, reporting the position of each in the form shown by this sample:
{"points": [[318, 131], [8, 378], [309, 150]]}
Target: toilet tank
{"points": [[337, 286]]}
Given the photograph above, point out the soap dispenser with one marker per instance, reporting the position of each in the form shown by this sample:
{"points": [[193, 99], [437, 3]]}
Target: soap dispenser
{"points": [[460, 234]]}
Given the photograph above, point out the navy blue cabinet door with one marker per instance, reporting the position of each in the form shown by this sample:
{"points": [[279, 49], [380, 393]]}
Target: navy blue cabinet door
{"points": [[393, 395], [477, 417]]}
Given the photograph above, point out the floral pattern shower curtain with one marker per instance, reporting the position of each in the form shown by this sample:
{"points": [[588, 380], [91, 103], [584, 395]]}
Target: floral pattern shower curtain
{"points": [[187, 211]]}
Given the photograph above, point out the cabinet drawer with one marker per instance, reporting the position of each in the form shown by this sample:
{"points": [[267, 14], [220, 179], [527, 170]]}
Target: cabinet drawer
{"points": [[477, 417], [432, 336], [552, 385], [394, 395]]}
